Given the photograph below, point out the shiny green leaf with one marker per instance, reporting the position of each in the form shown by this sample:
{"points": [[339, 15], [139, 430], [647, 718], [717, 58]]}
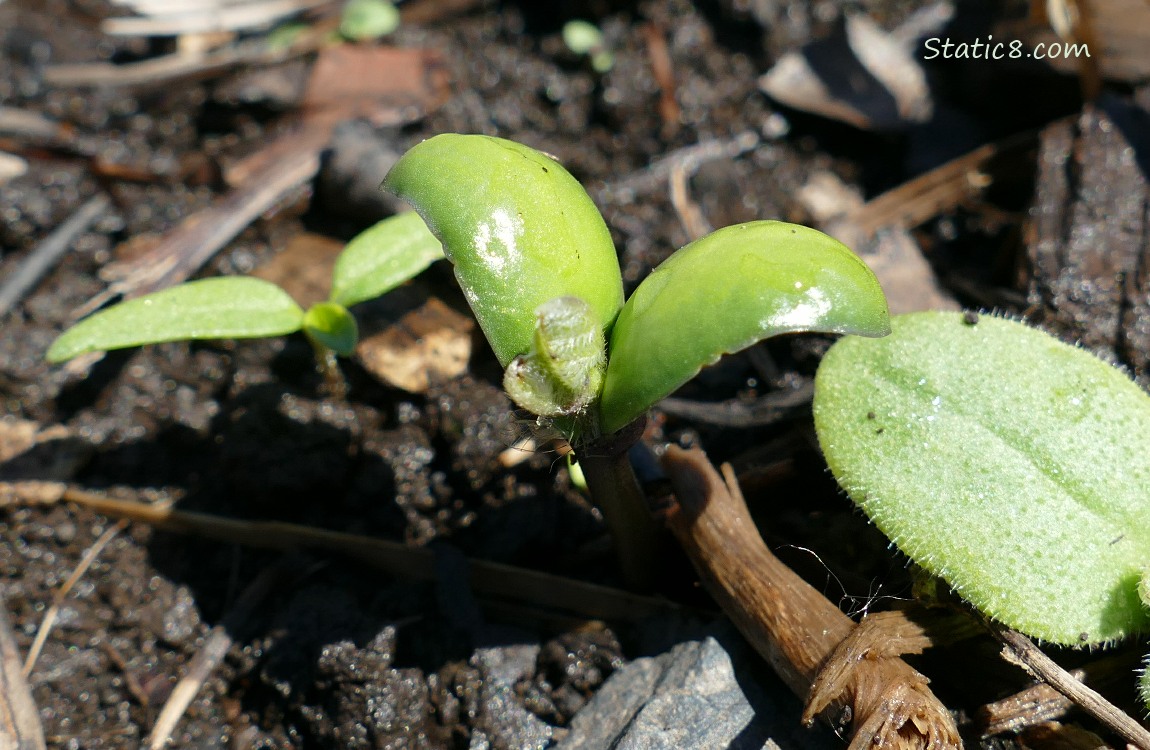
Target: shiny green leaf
{"points": [[381, 258], [333, 326], [518, 227], [723, 293], [1010, 464], [230, 307]]}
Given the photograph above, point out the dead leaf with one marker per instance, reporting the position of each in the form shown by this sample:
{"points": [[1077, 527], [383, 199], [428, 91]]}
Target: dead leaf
{"points": [[427, 342]]}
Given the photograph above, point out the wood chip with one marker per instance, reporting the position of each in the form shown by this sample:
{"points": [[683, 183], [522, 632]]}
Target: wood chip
{"points": [[378, 83], [1089, 246], [410, 340]]}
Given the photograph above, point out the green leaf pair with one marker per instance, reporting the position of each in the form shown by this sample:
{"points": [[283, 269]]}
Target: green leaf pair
{"points": [[374, 262], [1012, 465], [522, 232]]}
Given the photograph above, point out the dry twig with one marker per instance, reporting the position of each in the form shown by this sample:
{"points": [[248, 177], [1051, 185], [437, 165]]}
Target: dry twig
{"points": [[20, 727], [45, 255], [878, 697], [61, 593], [213, 651], [489, 579], [1020, 650]]}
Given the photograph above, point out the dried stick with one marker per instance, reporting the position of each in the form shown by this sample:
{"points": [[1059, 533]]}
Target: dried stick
{"points": [[1020, 650], [489, 579], [213, 651], [61, 594], [19, 720], [885, 702], [45, 255]]}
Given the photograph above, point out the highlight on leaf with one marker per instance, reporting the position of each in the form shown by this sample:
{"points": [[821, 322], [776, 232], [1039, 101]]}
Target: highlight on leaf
{"points": [[518, 228]]}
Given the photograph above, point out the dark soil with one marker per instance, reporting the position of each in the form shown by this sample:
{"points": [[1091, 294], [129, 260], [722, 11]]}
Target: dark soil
{"points": [[335, 654]]}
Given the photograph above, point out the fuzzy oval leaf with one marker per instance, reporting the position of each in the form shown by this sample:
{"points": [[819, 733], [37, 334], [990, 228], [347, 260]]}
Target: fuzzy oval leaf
{"points": [[229, 307], [723, 293], [1012, 465], [333, 326], [382, 257], [518, 227]]}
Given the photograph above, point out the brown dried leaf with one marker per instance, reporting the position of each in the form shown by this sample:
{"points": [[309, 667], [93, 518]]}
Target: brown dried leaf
{"points": [[428, 342]]}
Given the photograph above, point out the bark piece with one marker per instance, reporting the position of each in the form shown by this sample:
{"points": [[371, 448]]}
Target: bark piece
{"points": [[410, 339], [1089, 250]]}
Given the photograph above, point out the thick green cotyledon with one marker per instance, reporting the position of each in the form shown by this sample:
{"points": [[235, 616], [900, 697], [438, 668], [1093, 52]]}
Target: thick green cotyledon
{"points": [[520, 230]]}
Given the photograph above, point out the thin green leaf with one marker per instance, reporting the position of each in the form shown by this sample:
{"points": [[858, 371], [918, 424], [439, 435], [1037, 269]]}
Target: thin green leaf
{"points": [[381, 258], [1012, 465], [723, 293], [518, 227], [231, 307], [333, 326]]}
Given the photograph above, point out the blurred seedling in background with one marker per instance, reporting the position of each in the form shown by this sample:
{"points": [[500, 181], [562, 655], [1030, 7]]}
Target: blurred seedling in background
{"points": [[368, 20], [586, 40]]}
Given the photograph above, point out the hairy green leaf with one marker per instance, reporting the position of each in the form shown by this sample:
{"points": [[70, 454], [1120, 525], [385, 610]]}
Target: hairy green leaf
{"points": [[333, 326], [381, 258], [230, 307], [723, 293], [518, 227], [1012, 465], [563, 372]]}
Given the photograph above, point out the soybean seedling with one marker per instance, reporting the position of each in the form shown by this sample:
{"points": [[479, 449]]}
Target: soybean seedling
{"points": [[1013, 466], [536, 263], [237, 307]]}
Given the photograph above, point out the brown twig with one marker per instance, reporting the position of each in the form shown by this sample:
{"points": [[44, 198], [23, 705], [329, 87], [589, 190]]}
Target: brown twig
{"points": [[885, 702], [1020, 650], [663, 69], [53, 612], [488, 579], [212, 652], [19, 720]]}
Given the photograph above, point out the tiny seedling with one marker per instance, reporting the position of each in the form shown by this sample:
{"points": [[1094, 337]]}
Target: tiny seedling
{"points": [[1012, 465], [536, 262], [368, 20], [585, 38], [236, 307]]}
